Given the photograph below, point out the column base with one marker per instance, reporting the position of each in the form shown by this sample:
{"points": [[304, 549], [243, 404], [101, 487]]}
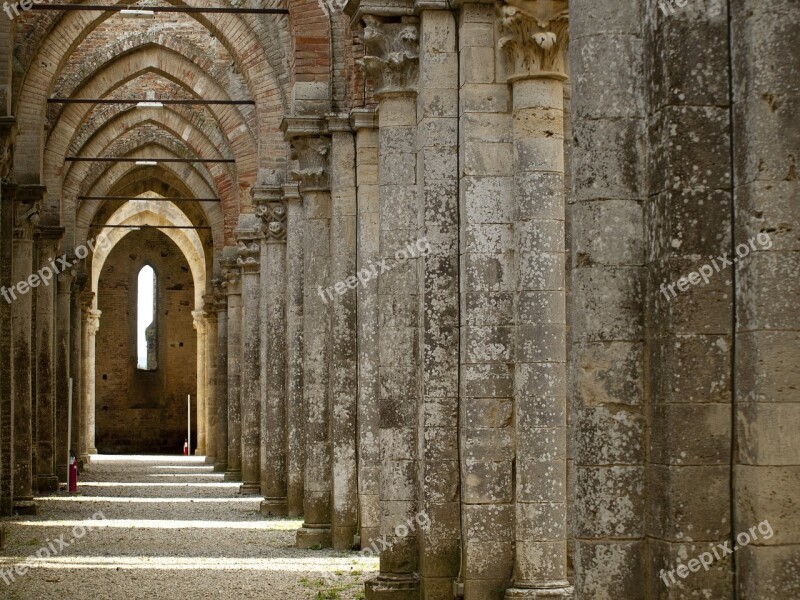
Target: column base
{"points": [[47, 483], [210, 460], [274, 507], [250, 488], [26, 506], [557, 590], [313, 536], [93, 451], [398, 587], [220, 467], [200, 451], [232, 476]]}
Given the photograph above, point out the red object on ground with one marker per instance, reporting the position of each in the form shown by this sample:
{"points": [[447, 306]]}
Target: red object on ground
{"points": [[186, 448], [73, 475]]}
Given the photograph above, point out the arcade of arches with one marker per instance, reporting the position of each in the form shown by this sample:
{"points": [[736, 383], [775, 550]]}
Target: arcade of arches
{"points": [[417, 261]]}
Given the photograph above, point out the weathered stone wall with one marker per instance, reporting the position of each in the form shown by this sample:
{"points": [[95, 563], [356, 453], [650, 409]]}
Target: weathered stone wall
{"points": [[144, 411]]}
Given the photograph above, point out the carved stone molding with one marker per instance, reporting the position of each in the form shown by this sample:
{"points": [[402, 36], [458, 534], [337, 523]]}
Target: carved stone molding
{"points": [[534, 37], [392, 54], [313, 158], [271, 208]]}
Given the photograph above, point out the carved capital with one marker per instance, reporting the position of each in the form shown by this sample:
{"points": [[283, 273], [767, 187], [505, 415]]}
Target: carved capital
{"points": [[231, 276], [199, 317], [534, 36], [272, 211], [92, 320], [26, 218], [312, 155], [220, 296], [249, 252], [392, 53]]}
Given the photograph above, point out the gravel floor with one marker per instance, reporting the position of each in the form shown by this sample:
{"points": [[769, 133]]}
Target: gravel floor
{"points": [[166, 528]]}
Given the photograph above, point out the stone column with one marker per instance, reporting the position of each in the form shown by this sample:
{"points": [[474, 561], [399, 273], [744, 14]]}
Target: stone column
{"points": [[233, 289], [766, 248], [211, 380], [272, 210], [312, 151], [7, 197], [437, 245], [81, 301], [26, 218], [386, 43], [295, 419], [199, 317], [249, 236], [47, 245], [365, 123], [91, 324], [344, 365], [63, 368], [534, 42], [221, 307]]}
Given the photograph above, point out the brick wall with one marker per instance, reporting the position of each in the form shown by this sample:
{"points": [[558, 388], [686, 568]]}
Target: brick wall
{"points": [[140, 411]]}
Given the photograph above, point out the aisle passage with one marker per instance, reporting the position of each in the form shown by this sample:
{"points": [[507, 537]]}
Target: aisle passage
{"points": [[166, 528]]}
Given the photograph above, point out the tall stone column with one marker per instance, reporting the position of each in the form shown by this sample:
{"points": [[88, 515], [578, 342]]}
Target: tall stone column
{"points": [[91, 324], [365, 123], [47, 245], [767, 287], [272, 210], [233, 289], [221, 307], [295, 414], [7, 197], [344, 364], [211, 380], [199, 317], [26, 218], [63, 371], [534, 41], [81, 302], [388, 41], [311, 149], [249, 236]]}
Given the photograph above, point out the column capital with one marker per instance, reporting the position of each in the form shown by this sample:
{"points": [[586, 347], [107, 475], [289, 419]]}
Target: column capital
{"points": [[48, 234], [26, 218], [270, 207], [231, 276], [92, 317], [391, 58], [312, 155], [249, 251], [199, 317], [220, 296], [534, 36]]}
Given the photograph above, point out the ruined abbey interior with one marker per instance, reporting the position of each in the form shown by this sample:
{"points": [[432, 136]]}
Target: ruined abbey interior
{"points": [[501, 299]]}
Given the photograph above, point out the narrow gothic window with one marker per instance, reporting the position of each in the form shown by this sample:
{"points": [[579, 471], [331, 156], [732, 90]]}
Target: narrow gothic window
{"points": [[146, 320]]}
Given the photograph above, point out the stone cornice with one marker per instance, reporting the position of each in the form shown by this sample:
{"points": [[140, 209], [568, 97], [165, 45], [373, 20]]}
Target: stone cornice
{"points": [[534, 36], [356, 9], [363, 118], [291, 193], [49, 233]]}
